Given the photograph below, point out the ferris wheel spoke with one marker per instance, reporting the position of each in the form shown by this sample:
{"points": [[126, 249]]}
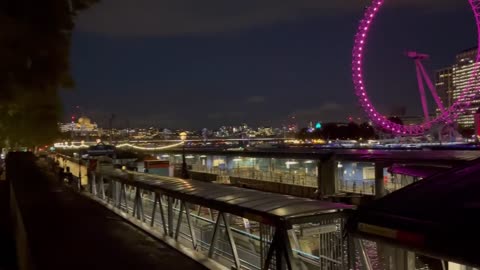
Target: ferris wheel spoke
{"points": [[432, 88], [423, 97]]}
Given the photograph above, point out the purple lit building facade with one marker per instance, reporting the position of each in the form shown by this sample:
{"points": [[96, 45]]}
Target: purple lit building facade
{"points": [[455, 83]]}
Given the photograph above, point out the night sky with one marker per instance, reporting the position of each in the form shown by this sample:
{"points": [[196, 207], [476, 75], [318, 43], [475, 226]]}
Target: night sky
{"points": [[195, 64]]}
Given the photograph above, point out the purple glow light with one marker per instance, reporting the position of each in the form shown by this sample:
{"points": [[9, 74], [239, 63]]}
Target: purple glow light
{"points": [[448, 115]]}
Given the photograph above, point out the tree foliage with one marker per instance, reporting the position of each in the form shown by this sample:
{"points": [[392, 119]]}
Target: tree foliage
{"points": [[396, 120], [334, 131], [34, 48]]}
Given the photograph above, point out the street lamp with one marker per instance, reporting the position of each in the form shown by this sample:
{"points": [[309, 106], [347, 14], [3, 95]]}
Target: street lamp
{"points": [[79, 172], [184, 173]]}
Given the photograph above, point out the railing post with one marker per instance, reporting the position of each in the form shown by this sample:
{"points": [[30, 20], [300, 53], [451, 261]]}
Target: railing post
{"points": [[135, 203], [158, 198], [102, 187], [363, 254], [297, 247], [93, 184], [138, 205], [110, 192], [154, 209], [199, 211], [123, 194], [287, 248], [117, 192], [170, 216], [211, 214], [190, 225], [231, 240], [214, 236], [351, 252], [179, 221], [114, 192], [271, 249]]}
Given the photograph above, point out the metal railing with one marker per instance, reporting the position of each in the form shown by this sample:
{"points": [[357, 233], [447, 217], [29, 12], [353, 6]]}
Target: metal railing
{"points": [[357, 186], [365, 186], [219, 235], [228, 241], [299, 179], [368, 186]]}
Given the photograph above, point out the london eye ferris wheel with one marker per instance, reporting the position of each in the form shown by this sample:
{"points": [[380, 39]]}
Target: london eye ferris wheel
{"points": [[447, 115]]}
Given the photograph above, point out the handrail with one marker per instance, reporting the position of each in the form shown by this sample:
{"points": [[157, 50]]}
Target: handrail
{"points": [[310, 258], [276, 211], [192, 191]]}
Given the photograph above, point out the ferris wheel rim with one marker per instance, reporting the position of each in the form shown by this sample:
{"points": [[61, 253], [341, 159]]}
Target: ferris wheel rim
{"points": [[449, 115]]}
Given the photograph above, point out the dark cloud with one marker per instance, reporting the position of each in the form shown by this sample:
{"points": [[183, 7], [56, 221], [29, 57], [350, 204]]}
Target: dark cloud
{"points": [[255, 99], [173, 17], [177, 17], [325, 112], [215, 115], [128, 58], [226, 115]]}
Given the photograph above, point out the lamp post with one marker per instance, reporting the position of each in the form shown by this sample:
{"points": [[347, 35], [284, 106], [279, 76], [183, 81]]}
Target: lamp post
{"points": [[184, 173], [79, 184]]}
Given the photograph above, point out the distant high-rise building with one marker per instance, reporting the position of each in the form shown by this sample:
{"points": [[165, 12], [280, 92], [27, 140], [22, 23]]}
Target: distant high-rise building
{"points": [[452, 81], [444, 85], [461, 79]]}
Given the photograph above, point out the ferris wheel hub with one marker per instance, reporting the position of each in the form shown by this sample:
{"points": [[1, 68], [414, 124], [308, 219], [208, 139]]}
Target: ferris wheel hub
{"points": [[416, 56]]}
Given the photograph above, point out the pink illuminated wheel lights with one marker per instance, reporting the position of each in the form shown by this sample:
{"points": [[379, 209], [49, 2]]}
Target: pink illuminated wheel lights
{"points": [[448, 115]]}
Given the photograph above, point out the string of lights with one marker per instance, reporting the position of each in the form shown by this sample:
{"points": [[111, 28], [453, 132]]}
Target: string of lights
{"points": [[124, 145], [127, 145], [71, 146]]}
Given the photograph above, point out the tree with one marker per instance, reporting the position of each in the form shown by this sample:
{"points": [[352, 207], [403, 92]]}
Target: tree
{"points": [[34, 48], [396, 120], [333, 131], [353, 131], [466, 132], [329, 131], [367, 132], [303, 134]]}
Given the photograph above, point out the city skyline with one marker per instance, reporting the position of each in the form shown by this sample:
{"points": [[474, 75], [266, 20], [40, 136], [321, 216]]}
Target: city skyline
{"points": [[260, 72]]}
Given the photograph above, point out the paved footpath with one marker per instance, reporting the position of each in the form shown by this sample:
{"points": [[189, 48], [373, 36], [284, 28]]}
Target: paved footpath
{"points": [[7, 244], [68, 231]]}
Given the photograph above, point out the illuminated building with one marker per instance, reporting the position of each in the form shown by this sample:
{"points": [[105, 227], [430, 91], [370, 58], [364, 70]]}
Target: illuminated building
{"points": [[452, 82], [84, 125], [462, 70], [444, 85], [477, 124]]}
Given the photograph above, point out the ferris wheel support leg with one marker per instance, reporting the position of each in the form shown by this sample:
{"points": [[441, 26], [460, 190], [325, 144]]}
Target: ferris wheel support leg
{"points": [[432, 88], [422, 91]]}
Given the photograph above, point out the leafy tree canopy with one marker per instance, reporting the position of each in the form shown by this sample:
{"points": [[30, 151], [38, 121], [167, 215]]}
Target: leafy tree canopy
{"points": [[34, 48], [333, 131]]}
